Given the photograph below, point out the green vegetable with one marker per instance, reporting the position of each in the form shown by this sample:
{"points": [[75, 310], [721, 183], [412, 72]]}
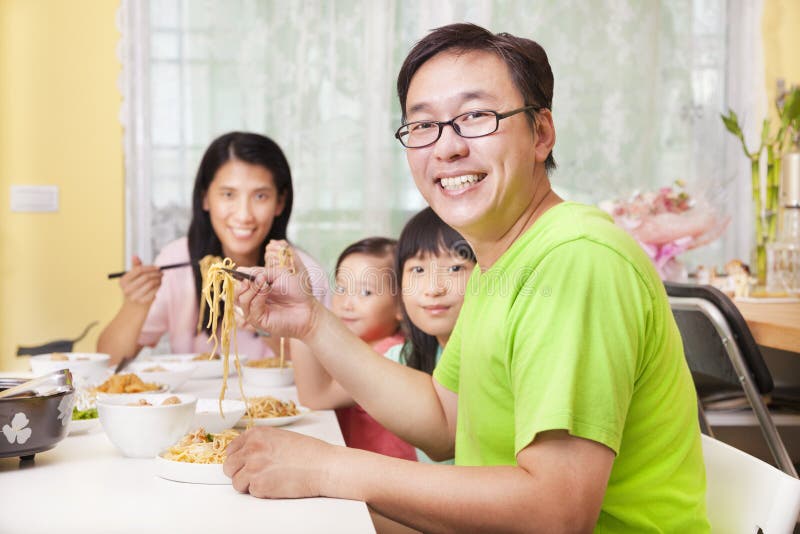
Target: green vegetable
{"points": [[77, 414], [209, 437]]}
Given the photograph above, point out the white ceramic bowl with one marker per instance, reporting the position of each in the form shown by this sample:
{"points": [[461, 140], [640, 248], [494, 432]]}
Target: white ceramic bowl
{"points": [[89, 366], [174, 375], [144, 431], [203, 368], [207, 414], [268, 376]]}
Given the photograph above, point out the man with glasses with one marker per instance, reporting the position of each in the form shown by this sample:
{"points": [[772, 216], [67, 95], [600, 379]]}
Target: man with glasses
{"points": [[563, 390]]}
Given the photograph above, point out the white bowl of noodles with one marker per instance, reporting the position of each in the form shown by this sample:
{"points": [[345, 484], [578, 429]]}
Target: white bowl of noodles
{"points": [[267, 373], [125, 384], [89, 366], [205, 365]]}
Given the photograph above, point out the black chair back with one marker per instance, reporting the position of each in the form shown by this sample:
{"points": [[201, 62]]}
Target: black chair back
{"points": [[703, 346], [60, 345]]}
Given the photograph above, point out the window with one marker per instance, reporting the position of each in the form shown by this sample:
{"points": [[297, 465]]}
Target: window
{"points": [[638, 91]]}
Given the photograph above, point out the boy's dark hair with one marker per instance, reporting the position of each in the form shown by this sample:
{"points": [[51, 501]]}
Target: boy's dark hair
{"points": [[378, 247], [425, 233], [526, 61], [250, 148]]}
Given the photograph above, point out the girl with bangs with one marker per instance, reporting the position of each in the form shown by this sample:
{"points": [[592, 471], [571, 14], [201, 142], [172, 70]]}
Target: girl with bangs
{"points": [[433, 263]]}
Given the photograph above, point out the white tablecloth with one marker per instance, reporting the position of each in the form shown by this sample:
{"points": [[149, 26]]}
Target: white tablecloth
{"points": [[85, 485]]}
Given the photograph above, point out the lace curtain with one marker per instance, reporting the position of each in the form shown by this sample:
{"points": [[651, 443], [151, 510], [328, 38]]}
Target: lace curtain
{"points": [[638, 92]]}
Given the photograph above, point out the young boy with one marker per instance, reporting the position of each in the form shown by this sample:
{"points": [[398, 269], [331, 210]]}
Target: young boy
{"points": [[563, 389]]}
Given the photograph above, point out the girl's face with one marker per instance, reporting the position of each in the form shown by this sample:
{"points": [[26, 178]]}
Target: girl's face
{"points": [[242, 202], [433, 291], [364, 297]]}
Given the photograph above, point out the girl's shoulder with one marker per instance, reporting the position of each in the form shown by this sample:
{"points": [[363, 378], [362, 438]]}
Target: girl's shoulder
{"points": [[387, 343], [395, 353]]}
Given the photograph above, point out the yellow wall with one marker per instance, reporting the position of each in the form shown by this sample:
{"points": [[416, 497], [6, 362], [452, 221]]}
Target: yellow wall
{"points": [[59, 109], [780, 25]]}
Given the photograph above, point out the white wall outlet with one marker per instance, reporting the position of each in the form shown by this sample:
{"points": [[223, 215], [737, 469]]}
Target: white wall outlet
{"points": [[34, 198]]}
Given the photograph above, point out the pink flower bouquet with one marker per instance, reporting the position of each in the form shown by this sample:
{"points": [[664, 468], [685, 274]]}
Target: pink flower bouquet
{"points": [[667, 223]]}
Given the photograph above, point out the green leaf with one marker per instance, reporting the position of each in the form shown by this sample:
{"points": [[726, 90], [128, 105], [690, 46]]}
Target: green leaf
{"points": [[732, 123], [791, 107]]}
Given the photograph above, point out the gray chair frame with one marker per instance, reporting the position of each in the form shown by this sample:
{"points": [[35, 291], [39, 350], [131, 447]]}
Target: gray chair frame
{"points": [[743, 372]]}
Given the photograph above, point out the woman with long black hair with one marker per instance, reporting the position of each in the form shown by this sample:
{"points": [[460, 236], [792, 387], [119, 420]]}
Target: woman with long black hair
{"points": [[242, 199]]}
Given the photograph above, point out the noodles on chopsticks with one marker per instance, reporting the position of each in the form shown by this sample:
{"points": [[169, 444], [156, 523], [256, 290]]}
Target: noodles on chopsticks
{"points": [[286, 258], [219, 285], [204, 264], [218, 288]]}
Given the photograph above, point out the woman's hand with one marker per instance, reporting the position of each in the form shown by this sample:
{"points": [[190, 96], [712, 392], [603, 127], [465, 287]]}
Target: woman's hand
{"points": [[280, 300], [140, 284], [278, 464]]}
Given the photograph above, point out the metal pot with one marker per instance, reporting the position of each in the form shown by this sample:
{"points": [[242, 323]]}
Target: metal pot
{"points": [[35, 421]]}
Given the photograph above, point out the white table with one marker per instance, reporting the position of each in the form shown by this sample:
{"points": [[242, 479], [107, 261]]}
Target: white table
{"points": [[85, 485]]}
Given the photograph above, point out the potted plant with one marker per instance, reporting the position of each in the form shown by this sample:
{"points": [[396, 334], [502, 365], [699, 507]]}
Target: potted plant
{"points": [[771, 147]]}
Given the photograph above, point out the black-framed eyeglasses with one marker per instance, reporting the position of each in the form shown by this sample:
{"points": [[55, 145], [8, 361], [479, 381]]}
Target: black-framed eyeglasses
{"points": [[477, 123]]}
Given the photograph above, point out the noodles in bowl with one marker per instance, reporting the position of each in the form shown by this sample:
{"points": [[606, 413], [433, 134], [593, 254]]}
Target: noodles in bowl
{"points": [[268, 372], [127, 383], [268, 363]]}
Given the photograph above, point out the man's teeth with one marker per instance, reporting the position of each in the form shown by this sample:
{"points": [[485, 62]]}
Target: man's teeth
{"points": [[460, 182]]}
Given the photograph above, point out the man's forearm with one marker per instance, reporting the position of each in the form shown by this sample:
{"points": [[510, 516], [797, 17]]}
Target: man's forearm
{"points": [[400, 398], [440, 498]]}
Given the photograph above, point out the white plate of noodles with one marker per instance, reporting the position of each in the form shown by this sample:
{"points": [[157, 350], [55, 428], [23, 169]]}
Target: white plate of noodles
{"points": [[183, 461], [269, 411], [274, 421], [191, 473]]}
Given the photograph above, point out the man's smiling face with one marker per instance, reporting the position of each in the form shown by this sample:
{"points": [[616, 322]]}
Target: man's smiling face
{"points": [[479, 186]]}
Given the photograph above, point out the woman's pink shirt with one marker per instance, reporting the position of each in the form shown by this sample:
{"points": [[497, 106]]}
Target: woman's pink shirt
{"points": [[176, 308]]}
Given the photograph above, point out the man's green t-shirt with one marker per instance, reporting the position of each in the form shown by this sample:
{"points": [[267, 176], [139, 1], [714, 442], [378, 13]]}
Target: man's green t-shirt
{"points": [[571, 329]]}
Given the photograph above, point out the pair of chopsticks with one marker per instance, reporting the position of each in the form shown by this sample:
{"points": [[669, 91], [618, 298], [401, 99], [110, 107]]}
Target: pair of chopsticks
{"points": [[239, 275], [236, 274], [162, 268]]}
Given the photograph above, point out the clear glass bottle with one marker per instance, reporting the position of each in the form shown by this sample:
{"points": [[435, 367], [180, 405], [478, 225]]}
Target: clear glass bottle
{"points": [[783, 256]]}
